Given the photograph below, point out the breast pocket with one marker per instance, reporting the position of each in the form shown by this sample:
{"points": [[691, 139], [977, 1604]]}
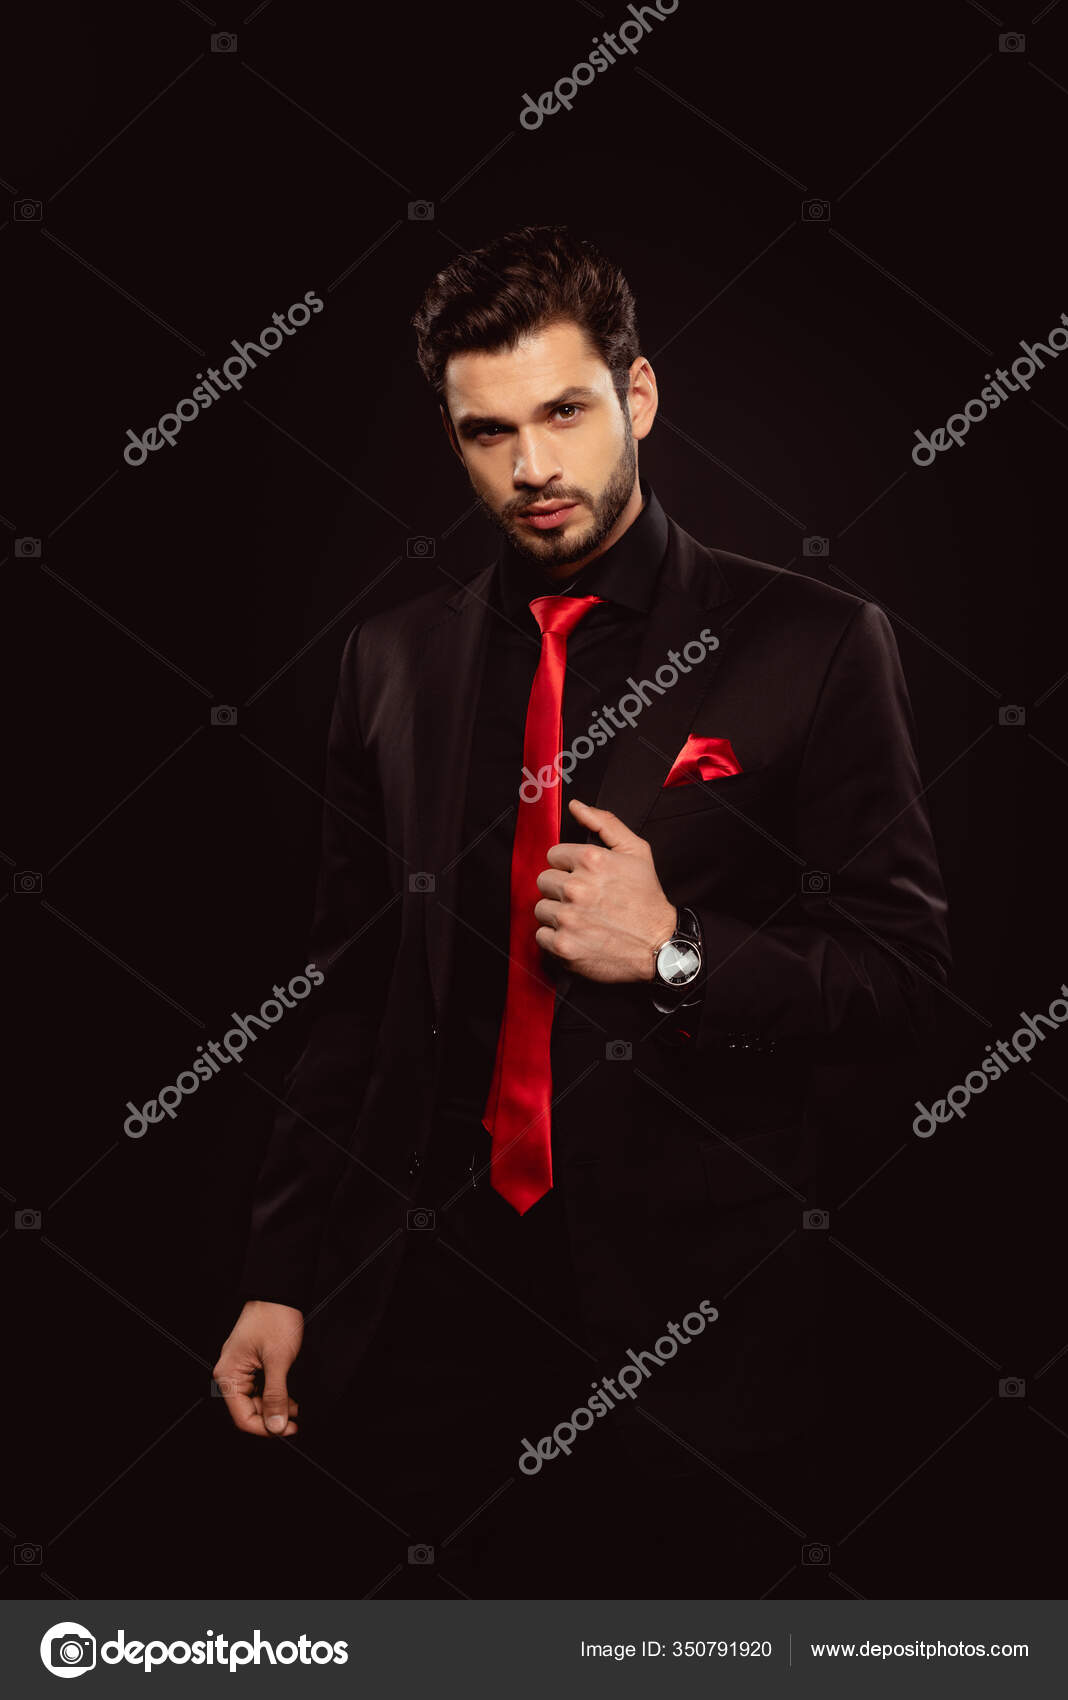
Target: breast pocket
{"points": [[734, 791]]}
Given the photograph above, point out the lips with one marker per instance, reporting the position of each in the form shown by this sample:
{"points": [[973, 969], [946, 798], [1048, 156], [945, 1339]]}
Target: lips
{"points": [[544, 518]]}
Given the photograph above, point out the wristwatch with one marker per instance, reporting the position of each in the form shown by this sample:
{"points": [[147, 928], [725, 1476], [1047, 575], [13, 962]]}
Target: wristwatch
{"points": [[678, 967]]}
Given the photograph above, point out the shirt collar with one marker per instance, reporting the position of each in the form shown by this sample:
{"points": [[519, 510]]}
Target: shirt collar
{"points": [[624, 574]]}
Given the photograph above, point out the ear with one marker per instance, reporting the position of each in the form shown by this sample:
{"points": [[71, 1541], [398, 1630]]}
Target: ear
{"points": [[449, 432], [643, 398]]}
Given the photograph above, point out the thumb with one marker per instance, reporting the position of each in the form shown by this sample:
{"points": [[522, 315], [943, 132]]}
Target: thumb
{"points": [[275, 1400], [613, 832]]}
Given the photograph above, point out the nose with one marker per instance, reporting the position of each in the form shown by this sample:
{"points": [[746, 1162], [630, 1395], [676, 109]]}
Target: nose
{"points": [[537, 461]]}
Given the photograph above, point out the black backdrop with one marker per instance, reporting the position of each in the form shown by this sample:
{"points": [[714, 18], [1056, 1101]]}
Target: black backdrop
{"points": [[186, 195]]}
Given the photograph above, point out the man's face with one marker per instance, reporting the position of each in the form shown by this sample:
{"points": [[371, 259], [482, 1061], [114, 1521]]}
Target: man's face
{"points": [[539, 427]]}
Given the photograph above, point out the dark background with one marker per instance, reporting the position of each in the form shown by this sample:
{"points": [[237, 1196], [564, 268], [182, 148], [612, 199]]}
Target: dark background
{"points": [[189, 194]]}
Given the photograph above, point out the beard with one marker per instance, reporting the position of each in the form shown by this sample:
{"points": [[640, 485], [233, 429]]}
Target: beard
{"points": [[549, 549]]}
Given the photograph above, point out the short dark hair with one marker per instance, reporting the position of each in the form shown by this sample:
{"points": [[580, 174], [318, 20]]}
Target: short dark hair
{"points": [[519, 283]]}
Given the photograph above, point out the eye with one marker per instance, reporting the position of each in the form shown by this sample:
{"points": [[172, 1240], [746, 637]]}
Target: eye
{"points": [[573, 405]]}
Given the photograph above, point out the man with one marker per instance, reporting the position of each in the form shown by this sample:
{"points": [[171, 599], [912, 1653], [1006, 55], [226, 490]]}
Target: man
{"points": [[552, 1129]]}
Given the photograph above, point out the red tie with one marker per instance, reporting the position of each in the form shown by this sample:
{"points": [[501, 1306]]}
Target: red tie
{"points": [[517, 1112]]}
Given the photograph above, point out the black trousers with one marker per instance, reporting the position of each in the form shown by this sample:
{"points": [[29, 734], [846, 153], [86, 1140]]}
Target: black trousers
{"points": [[483, 1347]]}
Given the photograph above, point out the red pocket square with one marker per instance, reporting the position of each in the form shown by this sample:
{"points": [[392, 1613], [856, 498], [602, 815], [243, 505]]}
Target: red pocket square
{"points": [[703, 758]]}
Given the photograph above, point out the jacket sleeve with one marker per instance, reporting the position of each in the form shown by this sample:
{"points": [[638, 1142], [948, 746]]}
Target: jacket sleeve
{"points": [[859, 949], [356, 912]]}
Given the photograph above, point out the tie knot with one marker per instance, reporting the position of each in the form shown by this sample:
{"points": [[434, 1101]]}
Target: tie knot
{"points": [[559, 615]]}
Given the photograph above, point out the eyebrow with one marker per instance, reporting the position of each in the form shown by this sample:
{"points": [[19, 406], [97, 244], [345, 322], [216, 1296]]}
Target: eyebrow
{"points": [[471, 423]]}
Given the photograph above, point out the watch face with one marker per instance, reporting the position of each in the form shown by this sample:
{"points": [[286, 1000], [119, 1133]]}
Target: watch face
{"points": [[677, 962]]}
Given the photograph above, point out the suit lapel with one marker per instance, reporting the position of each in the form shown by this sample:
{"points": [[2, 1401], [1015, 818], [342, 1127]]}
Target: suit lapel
{"points": [[450, 672], [688, 593]]}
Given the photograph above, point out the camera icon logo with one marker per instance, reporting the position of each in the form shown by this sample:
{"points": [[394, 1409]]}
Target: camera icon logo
{"points": [[68, 1649], [422, 882], [224, 1388], [815, 883], [816, 547], [421, 1221], [1011, 714], [1012, 43], [224, 714], [26, 883], [618, 1050], [27, 1553], [815, 1552], [420, 548], [421, 211], [26, 212], [816, 212], [815, 1219], [224, 42], [421, 1554], [1011, 1387], [28, 548], [28, 1220]]}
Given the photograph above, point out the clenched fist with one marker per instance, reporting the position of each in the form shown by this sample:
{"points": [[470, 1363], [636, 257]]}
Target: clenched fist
{"points": [[265, 1340]]}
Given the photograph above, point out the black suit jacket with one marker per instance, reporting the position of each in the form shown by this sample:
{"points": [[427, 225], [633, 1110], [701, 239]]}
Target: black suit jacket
{"points": [[682, 1147]]}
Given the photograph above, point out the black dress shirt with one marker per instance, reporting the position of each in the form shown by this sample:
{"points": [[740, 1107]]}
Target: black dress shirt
{"points": [[601, 651]]}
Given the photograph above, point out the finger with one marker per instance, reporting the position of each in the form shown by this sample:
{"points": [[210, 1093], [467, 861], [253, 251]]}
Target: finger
{"points": [[257, 1405], [564, 857], [257, 1401], [607, 825], [275, 1397], [242, 1409], [548, 912], [551, 882]]}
